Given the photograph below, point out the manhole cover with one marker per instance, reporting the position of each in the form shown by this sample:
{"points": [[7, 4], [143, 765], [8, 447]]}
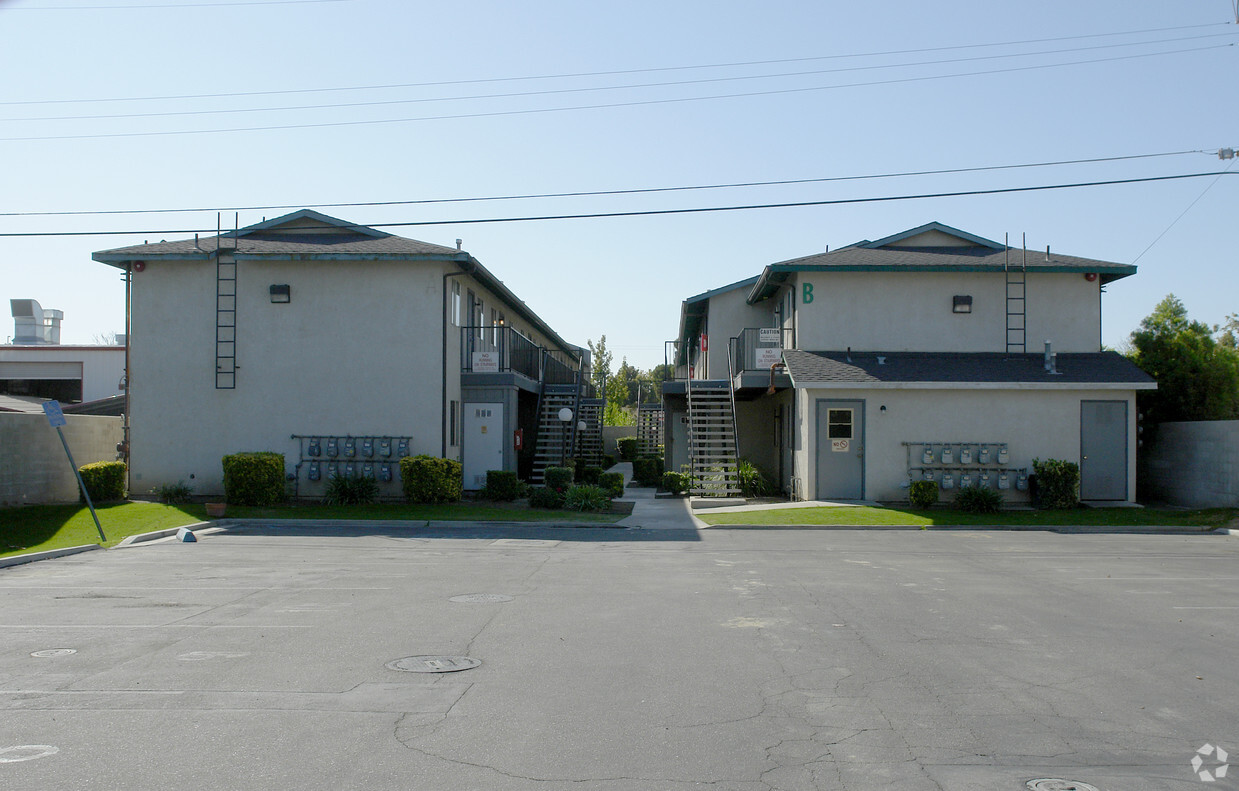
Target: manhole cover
{"points": [[55, 652], [480, 598], [433, 664], [26, 752], [1050, 784]]}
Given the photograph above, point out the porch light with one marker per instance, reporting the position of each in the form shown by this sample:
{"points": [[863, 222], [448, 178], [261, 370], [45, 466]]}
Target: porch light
{"points": [[281, 293], [961, 304]]}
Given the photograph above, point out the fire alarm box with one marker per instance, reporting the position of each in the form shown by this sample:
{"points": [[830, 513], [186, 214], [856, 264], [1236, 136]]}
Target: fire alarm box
{"points": [[518, 439]]}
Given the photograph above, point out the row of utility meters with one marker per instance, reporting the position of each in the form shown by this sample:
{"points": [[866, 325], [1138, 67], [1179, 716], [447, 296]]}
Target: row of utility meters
{"points": [[355, 447], [382, 471], [986, 479], [963, 453]]}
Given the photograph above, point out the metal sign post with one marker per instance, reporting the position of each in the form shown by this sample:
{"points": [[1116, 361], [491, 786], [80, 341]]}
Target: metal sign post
{"points": [[56, 418]]}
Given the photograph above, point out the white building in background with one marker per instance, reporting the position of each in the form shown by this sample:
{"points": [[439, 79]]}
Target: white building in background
{"points": [[35, 367], [341, 347]]}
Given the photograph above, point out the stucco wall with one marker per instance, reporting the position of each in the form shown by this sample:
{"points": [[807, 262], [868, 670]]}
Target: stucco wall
{"points": [[1194, 464], [1034, 424], [33, 466], [911, 311], [729, 315]]}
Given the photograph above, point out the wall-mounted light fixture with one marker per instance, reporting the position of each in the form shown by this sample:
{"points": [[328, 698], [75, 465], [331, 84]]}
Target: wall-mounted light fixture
{"points": [[281, 293], [961, 304]]}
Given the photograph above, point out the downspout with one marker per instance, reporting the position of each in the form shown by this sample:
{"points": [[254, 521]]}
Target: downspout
{"points": [[125, 421], [466, 267]]}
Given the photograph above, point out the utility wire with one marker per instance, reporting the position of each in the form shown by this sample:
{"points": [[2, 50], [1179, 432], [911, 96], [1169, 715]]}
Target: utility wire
{"points": [[596, 193], [640, 103], [597, 88], [654, 212], [167, 5], [442, 83], [1185, 211]]}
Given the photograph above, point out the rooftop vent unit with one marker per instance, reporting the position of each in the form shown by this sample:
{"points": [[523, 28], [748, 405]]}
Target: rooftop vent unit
{"points": [[34, 325]]}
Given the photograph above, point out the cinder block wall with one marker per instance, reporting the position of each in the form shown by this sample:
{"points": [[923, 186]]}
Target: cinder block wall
{"points": [[612, 434], [1194, 464], [33, 467]]}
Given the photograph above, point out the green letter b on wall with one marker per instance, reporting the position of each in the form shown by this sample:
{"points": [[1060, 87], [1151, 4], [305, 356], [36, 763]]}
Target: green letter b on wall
{"points": [[808, 293]]}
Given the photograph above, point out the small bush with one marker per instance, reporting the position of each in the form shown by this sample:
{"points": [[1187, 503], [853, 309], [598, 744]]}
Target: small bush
{"points": [[104, 480], [752, 482], [977, 500], [647, 471], [627, 448], [923, 494], [351, 491], [558, 478], [173, 493], [608, 461], [613, 483], [676, 482], [545, 497], [254, 478], [589, 475], [426, 479], [1058, 483], [587, 498], [503, 486]]}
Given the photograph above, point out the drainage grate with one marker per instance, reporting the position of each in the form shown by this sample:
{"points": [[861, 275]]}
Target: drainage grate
{"points": [[1051, 784], [480, 598], [433, 664], [54, 652]]}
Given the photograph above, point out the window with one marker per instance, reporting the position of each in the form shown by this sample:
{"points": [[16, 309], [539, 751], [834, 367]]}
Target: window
{"points": [[839, 423], [476, 314], [455, 304], [454, 424]]}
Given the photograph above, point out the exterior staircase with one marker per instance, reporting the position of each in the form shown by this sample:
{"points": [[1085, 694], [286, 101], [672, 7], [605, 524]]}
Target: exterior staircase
{"points": [[649, 428], [589, 441], [712, 439], [555, 438]]}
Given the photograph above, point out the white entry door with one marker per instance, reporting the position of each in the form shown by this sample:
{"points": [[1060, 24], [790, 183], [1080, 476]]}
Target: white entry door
{"points": [[483, 443]]}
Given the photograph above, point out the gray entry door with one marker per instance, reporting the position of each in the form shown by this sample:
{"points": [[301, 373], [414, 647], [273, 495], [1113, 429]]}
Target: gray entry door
{"points": [[840, 450], [1103, 450]]}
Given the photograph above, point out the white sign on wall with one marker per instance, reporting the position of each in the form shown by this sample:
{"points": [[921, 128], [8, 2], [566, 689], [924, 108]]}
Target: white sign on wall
{"points": [[840, 445], [768, 335], [486, 362], [764, 358]]}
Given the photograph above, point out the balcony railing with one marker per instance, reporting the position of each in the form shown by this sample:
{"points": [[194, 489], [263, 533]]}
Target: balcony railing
{"points": [[496, 349], [756, 349]]}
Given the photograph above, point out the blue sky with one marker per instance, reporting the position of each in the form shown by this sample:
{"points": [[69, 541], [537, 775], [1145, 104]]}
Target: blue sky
{"points": [[624, 276]]}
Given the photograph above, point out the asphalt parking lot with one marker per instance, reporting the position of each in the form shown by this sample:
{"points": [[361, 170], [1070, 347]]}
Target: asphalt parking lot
{"points": [[736, 660]]}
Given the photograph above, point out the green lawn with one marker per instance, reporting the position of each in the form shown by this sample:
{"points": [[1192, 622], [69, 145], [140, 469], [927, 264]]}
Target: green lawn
{"points": [[40, 527], [1205, 519]]}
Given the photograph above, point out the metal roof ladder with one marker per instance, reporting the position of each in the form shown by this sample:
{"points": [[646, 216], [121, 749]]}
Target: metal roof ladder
{"points": [[225, 314], [1017, 303]]}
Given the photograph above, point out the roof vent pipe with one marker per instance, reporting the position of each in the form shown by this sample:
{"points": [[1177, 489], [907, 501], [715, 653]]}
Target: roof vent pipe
{"points": [[1051, 360], [459, 242], [1047, 252], [1048, 352]]}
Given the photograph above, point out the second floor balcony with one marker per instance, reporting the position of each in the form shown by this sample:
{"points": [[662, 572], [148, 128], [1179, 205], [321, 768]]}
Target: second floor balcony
{"points": [[498, 349]]}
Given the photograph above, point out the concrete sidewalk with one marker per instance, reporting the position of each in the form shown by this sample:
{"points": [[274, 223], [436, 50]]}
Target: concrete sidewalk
{"points": [[654, 513]]}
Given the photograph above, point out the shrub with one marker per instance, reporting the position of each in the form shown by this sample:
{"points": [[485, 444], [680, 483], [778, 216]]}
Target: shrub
{"points": [[613, 483], [627, 448], [647, 471], [426, 479], [557, 478], [923, 494], [545, 497], [104, 480], [587, 498], [608, 461], [676, 482], [173, 493], [1058, 483], [752, 482], [503, 486], [351, 491], [254, 478], [977, 500], [589, 475]]}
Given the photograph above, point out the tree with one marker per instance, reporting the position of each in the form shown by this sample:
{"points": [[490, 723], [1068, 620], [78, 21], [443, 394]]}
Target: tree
{"points": [[1197, 376], [1228, 332], [601, 362]]}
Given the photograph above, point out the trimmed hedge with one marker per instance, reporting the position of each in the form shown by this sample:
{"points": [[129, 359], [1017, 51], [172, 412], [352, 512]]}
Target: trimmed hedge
{"points": [[426, 479], [503, 486], [608, 461], [104, 480], [351, 491], [1058, 483], [613, 482], [558, 478], [647, 471], [589, 475], [544, 497], [923, 494], [254, 478], [676, 482], [627, 448]]}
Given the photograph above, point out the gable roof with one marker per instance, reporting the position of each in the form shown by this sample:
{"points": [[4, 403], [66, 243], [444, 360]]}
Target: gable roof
{"points": [[963, 370], [933, 247]]}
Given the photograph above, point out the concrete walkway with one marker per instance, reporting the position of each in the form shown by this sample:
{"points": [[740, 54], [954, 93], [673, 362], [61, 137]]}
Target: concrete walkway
{"points": [[654, 513]]}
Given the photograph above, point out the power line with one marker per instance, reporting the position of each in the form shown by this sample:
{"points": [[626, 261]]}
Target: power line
{"points": [[597, 193], [167, 5], [611, 105], [598, 88], [1184, 212], [234, 94], [655, 212]]}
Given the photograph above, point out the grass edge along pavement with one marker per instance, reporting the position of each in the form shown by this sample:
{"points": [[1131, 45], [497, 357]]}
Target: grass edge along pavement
{"points": [[1204, 519], [38, 528]]}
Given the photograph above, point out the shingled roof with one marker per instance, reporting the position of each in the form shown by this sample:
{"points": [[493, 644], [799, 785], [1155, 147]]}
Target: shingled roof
{"points": [[949, 369]]}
